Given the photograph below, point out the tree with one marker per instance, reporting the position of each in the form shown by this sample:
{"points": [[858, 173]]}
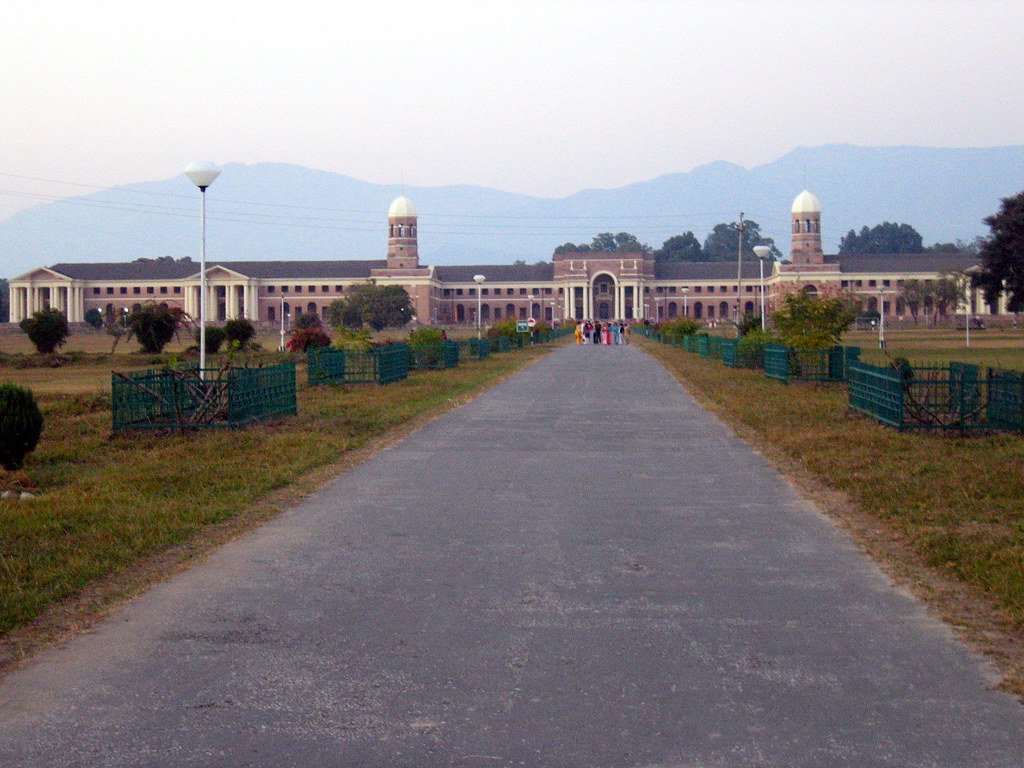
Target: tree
{"points": [[623, 242], [239, 330], [887, 237], [154, 326], [948, 291], [5, 301], [808, 322], [723, 242], [21, 424], [1002, 254], [378, 306], [94, 318], [48, 329], [913, 293], [684, 247]]}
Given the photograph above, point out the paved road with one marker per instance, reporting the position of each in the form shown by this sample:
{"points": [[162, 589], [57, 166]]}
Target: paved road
{"points": [[580, 569]]}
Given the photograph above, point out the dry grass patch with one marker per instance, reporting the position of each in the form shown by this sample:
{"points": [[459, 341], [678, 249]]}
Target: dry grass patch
{"points": [[945, 514]]}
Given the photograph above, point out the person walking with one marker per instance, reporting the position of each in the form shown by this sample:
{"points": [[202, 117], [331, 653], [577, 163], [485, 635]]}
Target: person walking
{"points": [[579, 333]]}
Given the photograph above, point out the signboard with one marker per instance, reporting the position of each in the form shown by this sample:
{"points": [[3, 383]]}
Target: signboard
{"points": [[522, 326], [531, 322]]}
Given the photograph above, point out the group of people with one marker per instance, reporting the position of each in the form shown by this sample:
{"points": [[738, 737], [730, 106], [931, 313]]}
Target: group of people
{"points": [[616, 332]]}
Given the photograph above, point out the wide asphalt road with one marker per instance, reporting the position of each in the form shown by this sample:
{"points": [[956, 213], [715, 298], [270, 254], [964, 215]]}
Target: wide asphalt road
{"points": [[579, 569]]}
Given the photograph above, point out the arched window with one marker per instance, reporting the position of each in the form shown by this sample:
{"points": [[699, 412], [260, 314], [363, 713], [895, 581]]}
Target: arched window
{"points": [[698, 310], [311, 308], [711, 310], [671, 309], [497, 313], [723, 309], [485, 313], [460, 313], [748, 308], [271, 314], [510, 310]]}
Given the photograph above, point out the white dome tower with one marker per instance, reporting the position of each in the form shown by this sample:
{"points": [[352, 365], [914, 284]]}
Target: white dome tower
{"points": [[806, 214], [403, 248]]}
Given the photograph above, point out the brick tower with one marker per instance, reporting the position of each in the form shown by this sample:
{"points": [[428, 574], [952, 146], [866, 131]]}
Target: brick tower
{"points": [[806, 213], [403, 251]]}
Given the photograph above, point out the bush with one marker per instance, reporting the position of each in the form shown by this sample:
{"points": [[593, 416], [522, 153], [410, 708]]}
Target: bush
{"points": [[21, 424], [154, 326], [48, 329], [423, 336], [676, 330], [215, 337], [240, 330], [352, 340], [304, 339], [504, 327], [94, 318]]}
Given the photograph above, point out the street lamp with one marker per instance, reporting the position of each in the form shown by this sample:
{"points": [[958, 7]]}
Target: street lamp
{"points": [[686, 292], [969, 304], [202, 175], [478, 279], [282, 322], [762, 251], [881, 318]]}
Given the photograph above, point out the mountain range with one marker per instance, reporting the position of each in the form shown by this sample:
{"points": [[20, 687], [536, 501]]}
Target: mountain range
{"points": [[274, 211]]}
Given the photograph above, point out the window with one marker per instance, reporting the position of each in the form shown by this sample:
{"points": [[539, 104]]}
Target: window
{"points": [[522, 291], [298, 289], [312, 289], [672, 289], [698, 289], [284, 289], [95, 291], [124, 290], [137, 290], [711, 289], [484, 291], [150, 289], [458, 291], [177, 289], [325, 289], [271, 289], [163, 290], [872, 283]]}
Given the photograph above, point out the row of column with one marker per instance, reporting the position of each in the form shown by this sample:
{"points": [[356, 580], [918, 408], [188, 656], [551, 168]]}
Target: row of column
{"points": [[240, 301], [619, 296], [27, 299]]}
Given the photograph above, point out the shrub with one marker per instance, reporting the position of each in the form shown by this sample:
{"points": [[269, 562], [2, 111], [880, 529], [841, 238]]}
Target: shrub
{"points": [[807, 322], [352, 340], [21, 424], [240, 330], [154, 326], [215, 336], [504, 327], [47, 329], [94, 318], [676, 330], [424, 336], [304, 339]]}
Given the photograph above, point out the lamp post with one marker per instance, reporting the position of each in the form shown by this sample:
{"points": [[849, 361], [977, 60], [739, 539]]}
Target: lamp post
{"points": [[282, 322], [478, 279], [969, 301], [762, 251], [202, 175], [686, 293], [881, 318], [529, 306]]}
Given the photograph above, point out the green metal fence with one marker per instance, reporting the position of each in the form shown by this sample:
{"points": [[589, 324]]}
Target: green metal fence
{"points": [[435, 356], [1006, 399], [382, 365], [475, 348], [736, 354], [925, 397], [167, 398], [784, 364]]}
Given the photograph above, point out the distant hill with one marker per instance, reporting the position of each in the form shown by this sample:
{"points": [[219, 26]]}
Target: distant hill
{"points": [[278, 211]]}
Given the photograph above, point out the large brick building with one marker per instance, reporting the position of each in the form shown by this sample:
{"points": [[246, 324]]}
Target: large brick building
{"points": [[576, 285]]}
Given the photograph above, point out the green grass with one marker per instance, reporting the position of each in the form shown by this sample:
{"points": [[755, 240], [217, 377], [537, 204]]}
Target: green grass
{"points": [[106, 503]]}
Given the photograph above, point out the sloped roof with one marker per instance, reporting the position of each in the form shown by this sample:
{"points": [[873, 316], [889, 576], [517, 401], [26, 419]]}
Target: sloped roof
{"points": [[497, 273], [708, 270], [179, 270], [902, 262]]}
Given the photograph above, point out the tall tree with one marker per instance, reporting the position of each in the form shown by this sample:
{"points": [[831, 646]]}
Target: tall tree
{"points": [[378, 306], [913, 293], [1002, 254], [722, 243], [684, 247], [623, 242], [887, 237], [5, 301]]}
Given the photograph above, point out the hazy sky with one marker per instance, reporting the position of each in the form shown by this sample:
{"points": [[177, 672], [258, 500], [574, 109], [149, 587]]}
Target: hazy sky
{"points": [[544, 98]]}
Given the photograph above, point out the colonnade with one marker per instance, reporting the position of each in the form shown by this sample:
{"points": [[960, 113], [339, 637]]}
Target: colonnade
{"points": [[69, 298]]}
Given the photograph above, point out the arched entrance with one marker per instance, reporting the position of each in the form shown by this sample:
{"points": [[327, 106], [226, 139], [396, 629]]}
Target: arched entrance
{"points": [[604, 293]]}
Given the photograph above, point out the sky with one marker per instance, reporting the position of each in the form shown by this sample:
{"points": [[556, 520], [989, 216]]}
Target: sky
{"points": [[541, 98]]}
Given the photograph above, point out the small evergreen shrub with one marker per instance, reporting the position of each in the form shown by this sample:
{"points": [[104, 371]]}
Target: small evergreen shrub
{"points": [[154, 326], [21, 424], [421, 337], [240, 330], [48, 329], [215, 337]]}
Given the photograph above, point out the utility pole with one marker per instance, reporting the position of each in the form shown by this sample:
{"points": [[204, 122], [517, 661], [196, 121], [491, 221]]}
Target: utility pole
{"points": [[739, 276]]}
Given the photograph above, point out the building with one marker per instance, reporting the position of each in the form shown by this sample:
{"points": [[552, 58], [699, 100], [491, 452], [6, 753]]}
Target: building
{"points": [[575, 285]]}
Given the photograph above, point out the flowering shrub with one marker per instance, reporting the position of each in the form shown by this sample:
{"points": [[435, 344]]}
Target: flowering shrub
{"points": [[304, 339]]}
